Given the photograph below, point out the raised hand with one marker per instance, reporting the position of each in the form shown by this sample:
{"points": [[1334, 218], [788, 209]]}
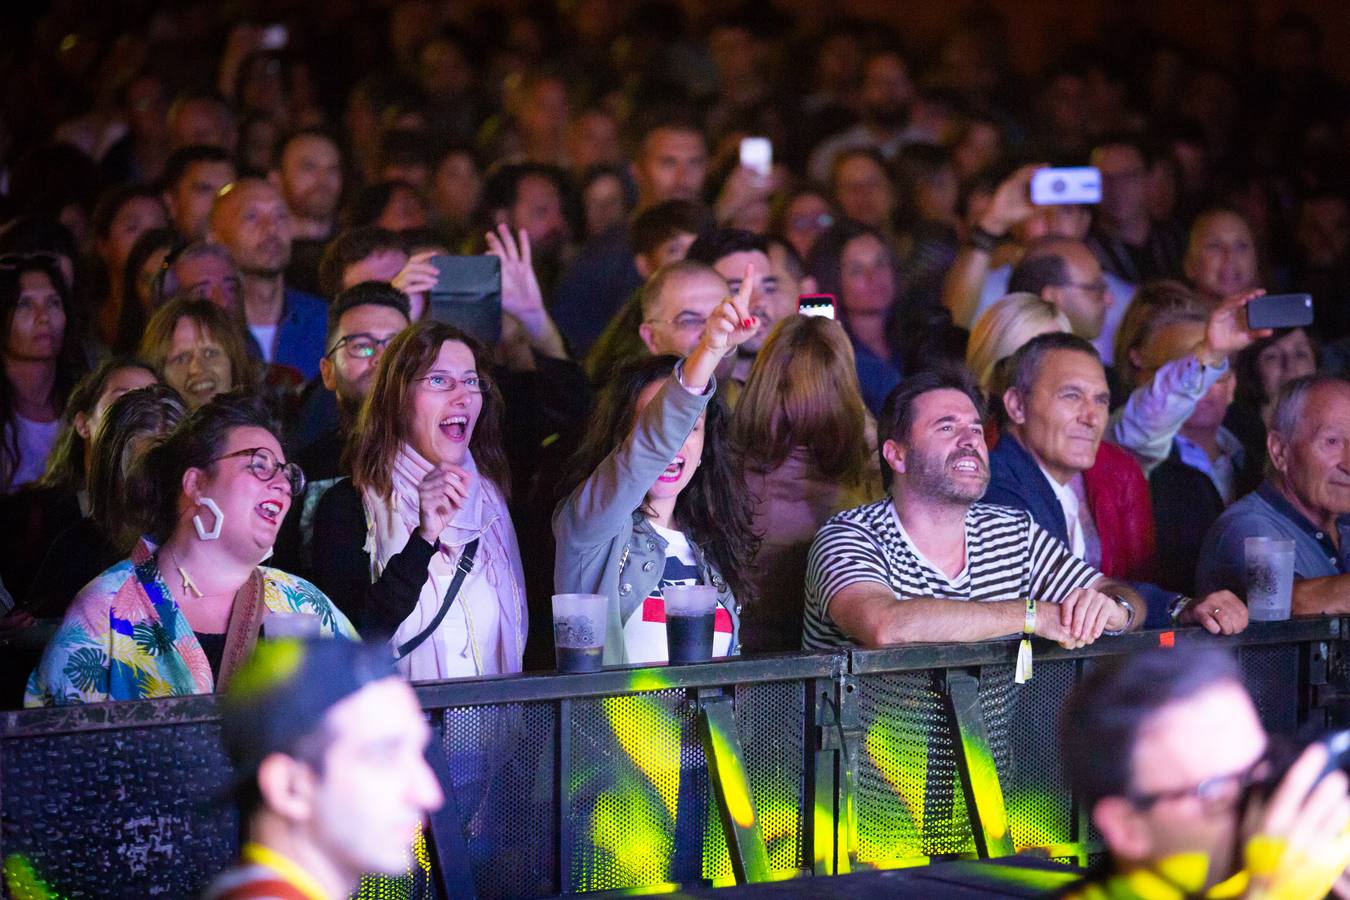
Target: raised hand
{"points": [[1011, 202], [731, 323], [1226, 331], [416, 279], [521, 295], [439, 496]]}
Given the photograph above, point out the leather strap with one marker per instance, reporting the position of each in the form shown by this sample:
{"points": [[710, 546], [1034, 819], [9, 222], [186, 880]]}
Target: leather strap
{"points": [[242, 632], [461, 572]]}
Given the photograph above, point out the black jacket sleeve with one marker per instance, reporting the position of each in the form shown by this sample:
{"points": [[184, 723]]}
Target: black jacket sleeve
{"points": [[342, 566]]}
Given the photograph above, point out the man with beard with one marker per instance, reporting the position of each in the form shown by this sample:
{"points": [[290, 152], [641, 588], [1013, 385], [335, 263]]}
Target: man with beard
{"points": [[929, 563], [531, 197], [887, 95], [251, 219], [308, 172], [361, 322], [730, 251]]}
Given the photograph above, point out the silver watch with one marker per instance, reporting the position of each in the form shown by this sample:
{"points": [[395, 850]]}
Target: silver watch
{"points": [[1129, 617]]}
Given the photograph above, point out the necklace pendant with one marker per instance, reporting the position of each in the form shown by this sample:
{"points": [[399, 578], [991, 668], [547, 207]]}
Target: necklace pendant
{"points": [[188, 584]]}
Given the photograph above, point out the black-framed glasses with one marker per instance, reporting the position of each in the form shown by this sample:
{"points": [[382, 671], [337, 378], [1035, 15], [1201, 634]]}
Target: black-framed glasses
{"points": [[360, 345], [443, 383], [264, 465], [1216, 793]]}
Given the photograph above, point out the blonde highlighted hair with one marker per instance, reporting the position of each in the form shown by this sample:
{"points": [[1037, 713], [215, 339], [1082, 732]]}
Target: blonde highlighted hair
{"points": [[1005, 327]]}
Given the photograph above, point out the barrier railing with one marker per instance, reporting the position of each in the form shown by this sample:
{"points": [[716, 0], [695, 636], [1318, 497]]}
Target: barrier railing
{"points": [[733, 771]]}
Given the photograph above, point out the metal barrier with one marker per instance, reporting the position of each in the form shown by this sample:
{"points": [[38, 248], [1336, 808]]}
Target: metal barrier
{"points": [[733, 771]]}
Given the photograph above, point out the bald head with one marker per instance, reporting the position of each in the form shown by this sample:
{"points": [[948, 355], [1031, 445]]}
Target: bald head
{"points": [[251, 219]]}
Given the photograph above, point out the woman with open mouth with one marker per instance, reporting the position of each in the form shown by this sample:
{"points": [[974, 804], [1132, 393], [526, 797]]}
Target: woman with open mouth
{"points": [[418, 546], [181, 614], [198, 349], [658, 500]]}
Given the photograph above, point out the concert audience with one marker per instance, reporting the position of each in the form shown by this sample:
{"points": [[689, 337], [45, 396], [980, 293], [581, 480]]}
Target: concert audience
{"points": [[211, 498]]}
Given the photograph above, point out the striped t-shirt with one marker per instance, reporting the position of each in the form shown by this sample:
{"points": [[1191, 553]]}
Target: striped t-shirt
{"points": [[1008, 556]]}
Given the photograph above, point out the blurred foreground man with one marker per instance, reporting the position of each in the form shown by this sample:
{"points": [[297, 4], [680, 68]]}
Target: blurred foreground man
{"points": [[328, 742], [1189, 801]]}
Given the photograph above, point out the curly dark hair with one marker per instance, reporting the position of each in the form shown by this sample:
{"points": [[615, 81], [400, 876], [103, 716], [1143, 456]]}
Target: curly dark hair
{"points": [[715, 508]]}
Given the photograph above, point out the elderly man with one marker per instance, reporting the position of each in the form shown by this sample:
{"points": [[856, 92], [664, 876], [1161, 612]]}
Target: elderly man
{"points": [[1183, 742], [251, 219], [1306, 498], [907, 568], [1092, 496], [329, 745], [676, 302]]}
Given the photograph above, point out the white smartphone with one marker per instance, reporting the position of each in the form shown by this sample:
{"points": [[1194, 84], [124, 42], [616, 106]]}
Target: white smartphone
{"points": [[1074, 185], [757, 155], [816, 305]]}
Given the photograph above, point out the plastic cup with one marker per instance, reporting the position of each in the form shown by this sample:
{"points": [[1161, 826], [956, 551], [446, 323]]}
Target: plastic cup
{"points": [[1270, 578], [579, 631], [691, 612], [277, 625]]}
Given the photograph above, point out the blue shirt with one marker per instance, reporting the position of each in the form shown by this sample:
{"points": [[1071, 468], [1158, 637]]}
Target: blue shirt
{"points": [[1266, 513], [877, 377], [301, 332]]}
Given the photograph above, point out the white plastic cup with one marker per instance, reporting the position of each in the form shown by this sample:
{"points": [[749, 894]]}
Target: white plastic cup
{"points": [[579, 622], [691, 613], [1269, 564]]}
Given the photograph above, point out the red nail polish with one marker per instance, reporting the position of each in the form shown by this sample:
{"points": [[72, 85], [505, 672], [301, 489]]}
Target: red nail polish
{"points": [[746, 323]]}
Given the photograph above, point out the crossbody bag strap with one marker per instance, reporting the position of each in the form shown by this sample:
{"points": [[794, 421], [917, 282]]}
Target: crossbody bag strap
{"points": [[242, 632], [461, 572]]}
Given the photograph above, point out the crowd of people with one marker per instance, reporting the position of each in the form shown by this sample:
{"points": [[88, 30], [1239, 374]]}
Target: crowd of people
{"points": [[233, 406]]}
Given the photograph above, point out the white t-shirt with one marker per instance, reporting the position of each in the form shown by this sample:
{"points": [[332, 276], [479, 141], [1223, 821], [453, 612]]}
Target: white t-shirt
{"points": [[266, 336], [35, 440], [644, 634]]}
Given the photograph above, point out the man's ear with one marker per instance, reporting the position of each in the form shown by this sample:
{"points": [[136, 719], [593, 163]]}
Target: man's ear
{"points": [[1054, 295], [894, 454], [1126, 833], [1277, 448], [287, 787], [643, 266], [170, 203], [645, 332], [1014, 407], [81, 423], [328, 372]]}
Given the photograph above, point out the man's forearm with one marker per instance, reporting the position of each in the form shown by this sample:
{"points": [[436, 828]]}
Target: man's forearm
{"points": [[1329, 595], [961, 288], [929, 620]]}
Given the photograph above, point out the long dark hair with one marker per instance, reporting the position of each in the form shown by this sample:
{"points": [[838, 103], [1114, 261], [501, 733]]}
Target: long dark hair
{"points": [[382, 425], [70, 365], [66, 462], [714, 509]]}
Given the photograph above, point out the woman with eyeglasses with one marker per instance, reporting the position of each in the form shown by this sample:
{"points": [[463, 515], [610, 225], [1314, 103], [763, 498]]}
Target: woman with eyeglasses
{"points": [[198, 349], [180, 618], [417, 547]]}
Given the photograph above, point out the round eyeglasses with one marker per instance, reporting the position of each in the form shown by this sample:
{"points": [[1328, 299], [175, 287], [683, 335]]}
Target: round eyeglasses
{"points": [[264, 465]]}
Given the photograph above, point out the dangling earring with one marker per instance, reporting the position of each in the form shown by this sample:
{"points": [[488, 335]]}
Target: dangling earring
{"points": [[202, 532]]}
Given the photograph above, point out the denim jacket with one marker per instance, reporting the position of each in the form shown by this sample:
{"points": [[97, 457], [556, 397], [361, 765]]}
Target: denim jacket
{"points": [[605, 543]]}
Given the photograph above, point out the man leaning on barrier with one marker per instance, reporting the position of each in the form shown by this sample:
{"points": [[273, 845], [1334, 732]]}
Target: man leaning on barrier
{"points": [[327, 742], [904, 569], [1190, 800]]}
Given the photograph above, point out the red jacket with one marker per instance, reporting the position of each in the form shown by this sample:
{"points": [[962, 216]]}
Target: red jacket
{"points": [[1118, 496]]}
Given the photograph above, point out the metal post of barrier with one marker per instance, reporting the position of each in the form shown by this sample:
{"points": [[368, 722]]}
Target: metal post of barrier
{"points": [[562, 786], [850, 729], [731, 786], [975, 764], [823, 748], [449, 850]]}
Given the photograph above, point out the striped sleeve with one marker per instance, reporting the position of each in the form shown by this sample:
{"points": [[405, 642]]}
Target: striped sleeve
{"points": [[842, 554], [1055, 571]]}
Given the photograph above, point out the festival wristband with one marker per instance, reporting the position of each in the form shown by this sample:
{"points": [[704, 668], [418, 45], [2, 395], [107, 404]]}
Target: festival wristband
{"points": [[1022, 673]]}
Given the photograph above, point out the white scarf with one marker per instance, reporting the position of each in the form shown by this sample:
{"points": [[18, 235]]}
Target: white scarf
{"points": [[490, 601]]}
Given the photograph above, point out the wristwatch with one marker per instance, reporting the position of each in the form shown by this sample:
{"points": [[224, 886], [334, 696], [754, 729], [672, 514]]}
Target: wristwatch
{"points": [[1129, 617]]}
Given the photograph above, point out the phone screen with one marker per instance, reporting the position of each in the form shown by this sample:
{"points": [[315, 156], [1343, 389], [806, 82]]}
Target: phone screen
{"points": [[816, 305]]}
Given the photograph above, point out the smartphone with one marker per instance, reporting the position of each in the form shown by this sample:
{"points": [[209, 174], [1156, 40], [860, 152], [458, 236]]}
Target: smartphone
{"points": [[757, 155], [1280, 311], [274, 37], [1078, 185], [468, 295], [816, 305]]}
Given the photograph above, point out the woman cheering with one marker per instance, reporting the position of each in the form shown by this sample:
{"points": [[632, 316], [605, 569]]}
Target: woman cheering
{"points": [[418, 543], [180, 620]]}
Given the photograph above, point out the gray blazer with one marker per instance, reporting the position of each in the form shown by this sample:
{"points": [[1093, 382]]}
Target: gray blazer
{"points": [[605, 543]]}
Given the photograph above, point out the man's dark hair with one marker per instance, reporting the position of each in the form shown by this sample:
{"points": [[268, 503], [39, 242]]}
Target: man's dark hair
{"points": [[659, 223], [1024, 367], [795, 264], [502, 186], [897, 413], [1116, 699], [350, 246], [367, 293], [110, 203], [1147, 150], [181, 159], [1038, 273], [723, 242], [291, 136], [661, 117], [404, 147]]}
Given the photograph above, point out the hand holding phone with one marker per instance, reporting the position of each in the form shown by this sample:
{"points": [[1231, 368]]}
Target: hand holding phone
{"points": [[1280, 311], [1077, 185]]}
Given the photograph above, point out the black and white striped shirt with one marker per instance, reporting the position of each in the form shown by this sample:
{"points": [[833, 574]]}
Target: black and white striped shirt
{"points": [[1008, 556]]}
